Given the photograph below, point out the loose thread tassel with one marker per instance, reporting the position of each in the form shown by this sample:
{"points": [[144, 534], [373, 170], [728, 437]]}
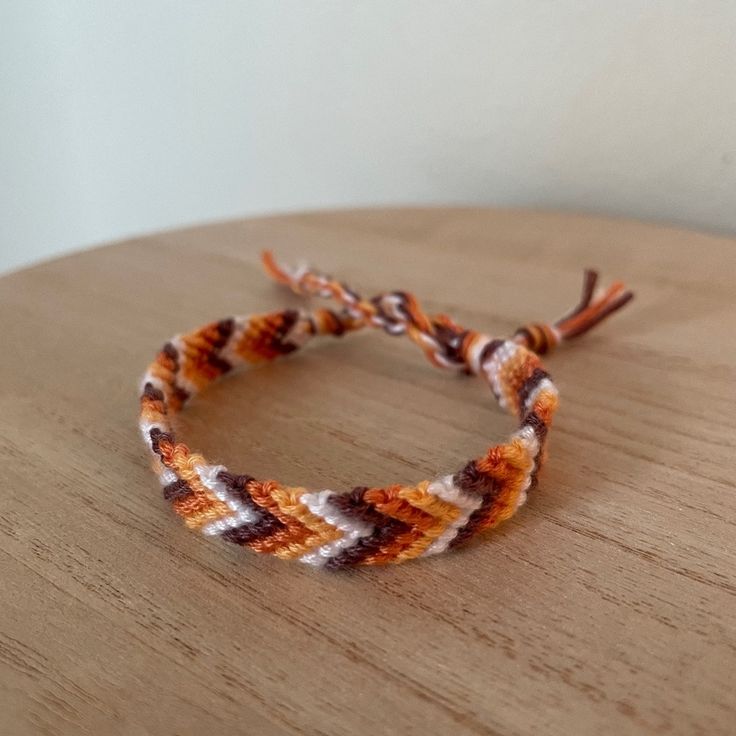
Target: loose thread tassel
{"points": [[543, 338]]}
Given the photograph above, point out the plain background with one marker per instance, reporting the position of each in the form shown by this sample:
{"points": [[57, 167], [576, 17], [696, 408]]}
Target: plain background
{"points": [[122, 118]]}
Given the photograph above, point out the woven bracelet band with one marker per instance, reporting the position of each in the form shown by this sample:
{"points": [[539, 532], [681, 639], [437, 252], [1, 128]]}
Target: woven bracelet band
{"points": [[364, 526]]}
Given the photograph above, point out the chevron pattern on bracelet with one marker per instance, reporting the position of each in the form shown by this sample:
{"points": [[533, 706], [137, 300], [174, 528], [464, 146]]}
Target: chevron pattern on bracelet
{"points": [[365, 525]]}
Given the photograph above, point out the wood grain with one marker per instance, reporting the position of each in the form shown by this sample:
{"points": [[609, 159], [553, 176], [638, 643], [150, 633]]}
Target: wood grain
{"points": [[607, 606]]}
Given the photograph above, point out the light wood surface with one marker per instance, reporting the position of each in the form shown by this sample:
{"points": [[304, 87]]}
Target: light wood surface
{"points": [[606, 606]]}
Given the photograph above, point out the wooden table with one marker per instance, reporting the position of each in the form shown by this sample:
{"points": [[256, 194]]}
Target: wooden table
{"points": [[607, 606]]}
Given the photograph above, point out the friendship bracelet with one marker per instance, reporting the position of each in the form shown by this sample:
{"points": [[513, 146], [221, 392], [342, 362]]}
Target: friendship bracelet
{"points": [[364, 526]]}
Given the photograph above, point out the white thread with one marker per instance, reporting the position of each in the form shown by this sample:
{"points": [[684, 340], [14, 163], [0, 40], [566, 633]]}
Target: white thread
{"points": [[146, 428], [353, 529], [544, 385], [179, 380], [208, 475], [494, 366], [229, 351], [476, 350], [529, 439], [446, 490]]}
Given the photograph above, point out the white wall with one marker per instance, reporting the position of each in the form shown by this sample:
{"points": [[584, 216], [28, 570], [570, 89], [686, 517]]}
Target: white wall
{"points": [[123, 117]]}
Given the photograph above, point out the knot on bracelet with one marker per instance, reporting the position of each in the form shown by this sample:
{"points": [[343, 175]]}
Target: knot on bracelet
{"points": [[443, 341], [590, 310]]}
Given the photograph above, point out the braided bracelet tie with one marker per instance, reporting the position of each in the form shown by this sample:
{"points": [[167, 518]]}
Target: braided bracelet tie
{"points": [[365, 526]]}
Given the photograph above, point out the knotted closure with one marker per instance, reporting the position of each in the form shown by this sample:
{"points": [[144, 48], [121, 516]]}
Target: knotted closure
{"points": [[444, 342], [543, 338], [538, 336]]}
